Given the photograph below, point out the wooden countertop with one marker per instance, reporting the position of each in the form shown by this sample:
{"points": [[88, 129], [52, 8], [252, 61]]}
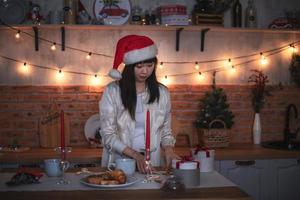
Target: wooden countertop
{"points": [[212, 186], [220, 193], [85, 154]]}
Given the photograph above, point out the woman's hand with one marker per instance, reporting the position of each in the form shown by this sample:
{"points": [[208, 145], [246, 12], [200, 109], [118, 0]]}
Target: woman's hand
{"points": [[170, 155], [139, 158], [140, 162]]}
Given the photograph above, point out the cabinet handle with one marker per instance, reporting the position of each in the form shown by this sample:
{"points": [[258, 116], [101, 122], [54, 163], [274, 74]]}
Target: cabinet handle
{"points": [[245, 162]]}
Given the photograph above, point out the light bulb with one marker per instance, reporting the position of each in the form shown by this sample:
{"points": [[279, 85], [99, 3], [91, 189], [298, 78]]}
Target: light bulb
{"points": [[89, 56], [233, 70], [263, 59], [53, 46], [165, 80], [196, 65], [59, 75], [293, 49], [161, 65], [229, 63], [18, 34], [96, 80], [200, 76], [24, 69]]}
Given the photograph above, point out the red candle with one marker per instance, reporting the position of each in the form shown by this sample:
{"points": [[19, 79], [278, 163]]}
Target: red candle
{"points": [[62, 134], [148, 136]]}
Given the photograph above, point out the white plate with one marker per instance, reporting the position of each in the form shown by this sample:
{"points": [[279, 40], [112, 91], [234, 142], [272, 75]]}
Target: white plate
{"points": [[130, 181], [13, 11], [92, 125], [115, 14]]}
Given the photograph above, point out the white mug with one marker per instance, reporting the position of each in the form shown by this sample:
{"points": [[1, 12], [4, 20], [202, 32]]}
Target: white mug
{"points": [[125, 164], [52, 167]]}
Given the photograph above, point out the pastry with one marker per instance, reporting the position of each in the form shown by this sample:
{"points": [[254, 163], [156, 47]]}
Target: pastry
{"points": [[108, 178]]}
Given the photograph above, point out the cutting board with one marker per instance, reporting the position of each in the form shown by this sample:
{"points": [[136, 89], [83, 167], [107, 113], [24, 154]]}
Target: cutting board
{"points": [[49, 130]]}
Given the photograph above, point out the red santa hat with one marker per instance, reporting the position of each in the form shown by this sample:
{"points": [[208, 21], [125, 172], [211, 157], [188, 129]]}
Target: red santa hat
{"points": [[132, 49]]}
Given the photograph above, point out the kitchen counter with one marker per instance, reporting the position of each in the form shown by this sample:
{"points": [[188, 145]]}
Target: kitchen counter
{"points": [[87, 155], [212, 186]]}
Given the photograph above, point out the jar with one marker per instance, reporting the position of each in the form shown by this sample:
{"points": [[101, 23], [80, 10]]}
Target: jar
{"points": [[70, 11], [136, 17]]}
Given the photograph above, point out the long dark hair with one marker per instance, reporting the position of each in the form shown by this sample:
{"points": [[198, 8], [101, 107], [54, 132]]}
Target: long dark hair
{"points": [[128, 89]]}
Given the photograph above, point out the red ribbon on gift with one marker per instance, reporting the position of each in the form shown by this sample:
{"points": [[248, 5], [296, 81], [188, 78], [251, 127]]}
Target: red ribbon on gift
{"points": [[186, 159], [198, 148]]}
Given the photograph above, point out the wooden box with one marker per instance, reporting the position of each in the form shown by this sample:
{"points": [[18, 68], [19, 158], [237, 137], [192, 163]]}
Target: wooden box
{"points": [[207, 19]]}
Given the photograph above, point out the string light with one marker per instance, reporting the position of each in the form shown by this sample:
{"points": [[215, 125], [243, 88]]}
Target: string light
{"points": [[18, 34], [165, 80], [109, 56], [53, 46], [89, 56], [95, 80], [229, 64], [196, 65], [161, 65], [263, 59], [200, 76], [293, 49], [59, 75], [24, 69], [233, 69]]}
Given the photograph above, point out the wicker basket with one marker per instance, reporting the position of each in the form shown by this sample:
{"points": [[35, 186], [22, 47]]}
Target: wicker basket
{"points": [[214, 137]]}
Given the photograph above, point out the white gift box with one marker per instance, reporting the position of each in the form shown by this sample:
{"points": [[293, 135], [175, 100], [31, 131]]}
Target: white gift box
{"points": [[179, 164], [187, 171], [206, 157]]}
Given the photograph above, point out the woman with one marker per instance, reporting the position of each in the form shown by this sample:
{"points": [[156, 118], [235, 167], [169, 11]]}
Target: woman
{"points": [[124, 104]]}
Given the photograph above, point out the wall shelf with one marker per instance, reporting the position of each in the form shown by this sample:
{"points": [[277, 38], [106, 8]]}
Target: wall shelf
{"points": [[152, 28]]}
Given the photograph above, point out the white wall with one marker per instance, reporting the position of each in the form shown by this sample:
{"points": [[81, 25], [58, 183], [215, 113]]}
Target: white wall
{"points": [[219, 44]]}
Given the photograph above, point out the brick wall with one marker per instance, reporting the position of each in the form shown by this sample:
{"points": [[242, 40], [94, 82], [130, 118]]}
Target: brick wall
{"points": [[21, 107]]}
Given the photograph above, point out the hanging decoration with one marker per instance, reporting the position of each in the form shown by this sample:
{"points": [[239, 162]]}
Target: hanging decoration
{"points": [[243, 60]]}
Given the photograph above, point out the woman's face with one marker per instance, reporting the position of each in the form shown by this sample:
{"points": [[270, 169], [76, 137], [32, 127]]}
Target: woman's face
{"points": [[142, 71]]}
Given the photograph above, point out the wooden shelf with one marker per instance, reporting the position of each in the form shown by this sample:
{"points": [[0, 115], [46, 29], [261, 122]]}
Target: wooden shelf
{"points": [[152, 28]]}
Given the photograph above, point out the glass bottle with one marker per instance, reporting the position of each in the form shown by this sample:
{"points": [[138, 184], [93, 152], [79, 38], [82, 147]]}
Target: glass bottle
{"points": [[237, 14], [136, 17], [251, 15], [70, 11]]}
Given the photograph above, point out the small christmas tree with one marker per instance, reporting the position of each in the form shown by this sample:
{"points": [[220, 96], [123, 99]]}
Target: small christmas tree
{"points": [[214, 106]]}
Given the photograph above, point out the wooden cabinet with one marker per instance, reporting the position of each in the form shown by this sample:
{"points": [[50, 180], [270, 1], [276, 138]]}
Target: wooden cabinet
{"points": [[249, 175], [276, 179], [285, 179]]}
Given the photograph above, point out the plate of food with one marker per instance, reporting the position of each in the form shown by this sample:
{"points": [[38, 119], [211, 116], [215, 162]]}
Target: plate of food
{"points": [[109, 179]]}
